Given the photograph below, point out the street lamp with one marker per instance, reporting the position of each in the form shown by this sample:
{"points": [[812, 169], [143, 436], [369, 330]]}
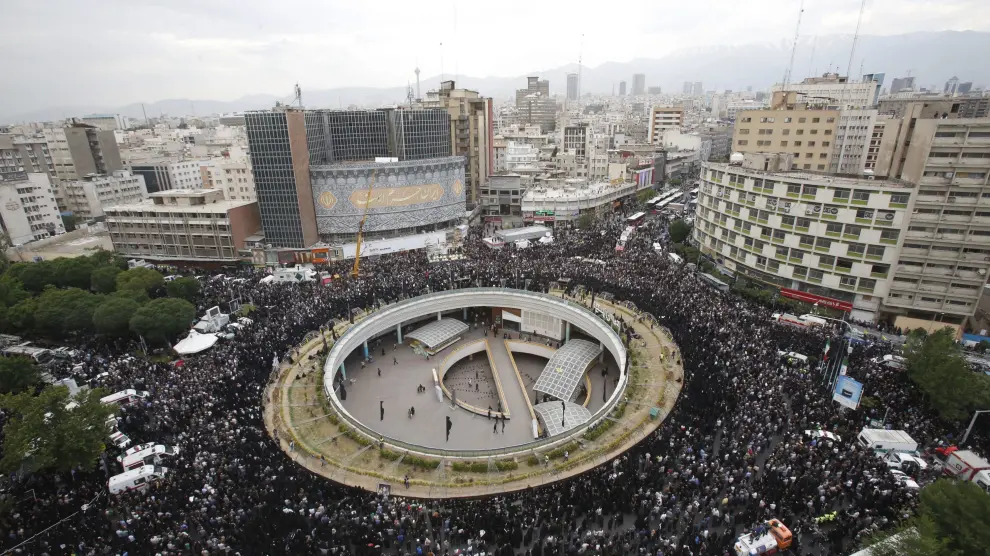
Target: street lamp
{"points": [[971, 422], [930, 325]]}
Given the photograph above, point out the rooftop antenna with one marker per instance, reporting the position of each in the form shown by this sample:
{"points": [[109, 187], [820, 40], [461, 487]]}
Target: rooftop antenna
{"points": [[456, 39], [145, 112], [852, 53], [790, 65], [441, 63], [298, 95], [580, 54], [418, 96]]}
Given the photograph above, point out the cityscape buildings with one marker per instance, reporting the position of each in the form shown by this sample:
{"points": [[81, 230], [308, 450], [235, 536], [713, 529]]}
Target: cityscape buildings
{"points": [[534, 104], [572, 86], [638, 84], [28, 210], [87, 198]]}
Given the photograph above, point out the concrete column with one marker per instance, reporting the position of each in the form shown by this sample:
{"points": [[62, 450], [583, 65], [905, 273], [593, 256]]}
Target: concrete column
{"points": [[465, 314], [343, 371], [365, 346], [567, 332], [601, 358], [398, 332], [439, 316]]}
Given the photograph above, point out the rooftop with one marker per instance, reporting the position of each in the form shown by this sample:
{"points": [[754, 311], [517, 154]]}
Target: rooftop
{"points": [[851, 180]]}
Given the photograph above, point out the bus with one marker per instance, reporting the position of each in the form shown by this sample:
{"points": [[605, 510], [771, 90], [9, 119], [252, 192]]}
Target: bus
{"points": [[669, 200], [694, 193], [636, 219], [40, 356], [714, 282], [664, 198]]}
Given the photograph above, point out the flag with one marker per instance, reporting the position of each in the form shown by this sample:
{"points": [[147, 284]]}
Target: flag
{"points": [[845, 365], [828, 344]]}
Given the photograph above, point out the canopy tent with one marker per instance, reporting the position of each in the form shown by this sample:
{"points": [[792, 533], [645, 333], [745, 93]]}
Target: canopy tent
{"points": [[195, 343]]}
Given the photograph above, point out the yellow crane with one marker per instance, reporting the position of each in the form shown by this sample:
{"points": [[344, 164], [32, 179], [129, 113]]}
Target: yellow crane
{"points": [[357, 252]]}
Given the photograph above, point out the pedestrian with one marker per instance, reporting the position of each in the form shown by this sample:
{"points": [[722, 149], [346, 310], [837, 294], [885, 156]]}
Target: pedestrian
{"points": [[379, 372], [449, 424], [394, 360], [381, 408], [495, 426]]}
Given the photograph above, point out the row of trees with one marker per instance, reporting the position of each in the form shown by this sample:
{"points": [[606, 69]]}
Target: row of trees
{"points": [[935, 363], [95, 295]]}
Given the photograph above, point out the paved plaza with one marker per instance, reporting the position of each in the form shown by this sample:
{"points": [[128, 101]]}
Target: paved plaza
{"points": [[403, 371]]}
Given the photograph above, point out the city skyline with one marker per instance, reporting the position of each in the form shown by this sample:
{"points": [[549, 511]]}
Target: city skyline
{"points": [[226, 50]]}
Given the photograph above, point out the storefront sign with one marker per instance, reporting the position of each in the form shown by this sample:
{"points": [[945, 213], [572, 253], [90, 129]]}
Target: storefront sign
{"points": [[829, 302]]}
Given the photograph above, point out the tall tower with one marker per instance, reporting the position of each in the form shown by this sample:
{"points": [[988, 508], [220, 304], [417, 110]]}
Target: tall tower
{"points": [[417, 83]]}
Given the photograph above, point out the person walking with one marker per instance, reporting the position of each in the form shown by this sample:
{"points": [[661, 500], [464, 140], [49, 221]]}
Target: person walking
{"points": [[495, 426], [381, 408], [449, 424]]}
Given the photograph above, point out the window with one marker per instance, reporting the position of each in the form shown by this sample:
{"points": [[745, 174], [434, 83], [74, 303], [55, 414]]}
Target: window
{"points": [[779, 235], [822, 243], [900, 198], [787, 220], [800, 132], [861, 195], [847, 281], [828, 132], [785, 132], [783, 143], [747, 120], [811, 143], [809, 190], [826, 260], [742, 142], [806, 241], [787, 120], [766, 120], [802, 120], [815, 120], [852, 230], [744, 131], [875, 250], [843, 264], [841, 195], [803, 223], [782, 251], [864, 213], [833, 228], [815, 274], [814, 132], [794, 189], [826, 143], [797, 143], [830, 120], [800, 272], [821, 166]]}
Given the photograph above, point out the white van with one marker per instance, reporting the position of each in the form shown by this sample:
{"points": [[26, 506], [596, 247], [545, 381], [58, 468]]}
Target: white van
{"points": [[813, 320], [120, 439], [125, 397], [149, 455], [135, 449], [882, 441], [675, 258], [136, 479]]}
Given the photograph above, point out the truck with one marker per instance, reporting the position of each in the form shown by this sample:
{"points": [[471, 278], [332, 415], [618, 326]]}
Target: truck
{"points": [[966, 465], [767, 538], [883, 441]]}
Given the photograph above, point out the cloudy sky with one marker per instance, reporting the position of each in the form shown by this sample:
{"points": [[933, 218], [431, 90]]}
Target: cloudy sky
{"points": [[113, 52]]}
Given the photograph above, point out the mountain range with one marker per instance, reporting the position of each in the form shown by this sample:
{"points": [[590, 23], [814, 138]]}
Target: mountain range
{"points": [[932, 57]]}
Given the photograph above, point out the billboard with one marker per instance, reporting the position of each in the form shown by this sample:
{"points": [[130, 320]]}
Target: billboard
{"points": [[812, 298], [848, 392]]}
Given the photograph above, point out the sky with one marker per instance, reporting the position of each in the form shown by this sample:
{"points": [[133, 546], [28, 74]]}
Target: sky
{"points": [[63, 53]]}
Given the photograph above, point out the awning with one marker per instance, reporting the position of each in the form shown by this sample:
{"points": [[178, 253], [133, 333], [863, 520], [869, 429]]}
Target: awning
{"points": [[195, 343]]}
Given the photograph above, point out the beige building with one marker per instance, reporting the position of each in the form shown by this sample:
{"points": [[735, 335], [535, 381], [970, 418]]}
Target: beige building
{"points": [[809, 134], [835, 90], [86, 198], [183, 225], [471, 135], [233, 176], [663, 118], [79, 150]]}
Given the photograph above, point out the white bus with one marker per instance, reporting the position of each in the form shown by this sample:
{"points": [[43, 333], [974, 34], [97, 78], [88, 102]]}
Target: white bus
{"points": [[40, 356]]}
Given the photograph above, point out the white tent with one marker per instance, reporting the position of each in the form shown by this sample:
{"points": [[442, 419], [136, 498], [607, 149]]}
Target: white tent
{"points": [[195, 343]]}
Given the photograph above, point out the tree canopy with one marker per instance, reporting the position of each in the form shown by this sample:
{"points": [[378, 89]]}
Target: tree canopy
{"points": [[18, 374], [936, 365], [163, 319], [104, 279], [186, 288], [140, 278], [45, 432], [113, 316], [679, 231]]}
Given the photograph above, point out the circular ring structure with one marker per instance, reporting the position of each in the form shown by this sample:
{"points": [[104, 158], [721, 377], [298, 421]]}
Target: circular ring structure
{"points": [[391, 316]]}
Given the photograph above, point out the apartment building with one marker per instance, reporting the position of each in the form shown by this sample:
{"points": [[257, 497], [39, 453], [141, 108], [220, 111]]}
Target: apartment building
{"points": [[183, 225], [25, 154], [576, 139], [807, 133], [78, 150], [534, 105], [233, 176], [28, 210], [471, 134], [502, 199], [853, 136], [87, 198], [832, 237], [663, 118]]}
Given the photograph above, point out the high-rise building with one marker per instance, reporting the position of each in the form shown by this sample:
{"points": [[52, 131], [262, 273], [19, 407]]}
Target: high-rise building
{"points": [[638, 84], [622, 88], [964, 88], [78, 150], [29, 154], [28, 210], [808, 133], [233, 176], [900, 84], [697, 90], [878, 78], [471, 133], [663, 118], [155, 172], [535, 106], [304, 158], [688, 88], [951, 86], [572, 86], [974, 107], [834, 89]]}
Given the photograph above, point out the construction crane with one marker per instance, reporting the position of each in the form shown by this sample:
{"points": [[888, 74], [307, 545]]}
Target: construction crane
{"points": [[790, 65], [357, 252]]}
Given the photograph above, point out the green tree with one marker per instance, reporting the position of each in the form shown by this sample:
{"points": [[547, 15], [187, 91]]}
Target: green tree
{"points": [[18, 374], [585, 220], [35, 276], [645, 195], [163, 319], [64, 312], [69, 221], [140, 278], [104, 279], [679, 231], [12, 291], [20, 317], [936, 365], [186, 288], [113, 316], [959, 511], [73, 272], [137, 296], [42, 433]]}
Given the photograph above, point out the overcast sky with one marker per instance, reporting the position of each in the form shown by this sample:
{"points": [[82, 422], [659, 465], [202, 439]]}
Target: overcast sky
{"points": [[114, 52]]}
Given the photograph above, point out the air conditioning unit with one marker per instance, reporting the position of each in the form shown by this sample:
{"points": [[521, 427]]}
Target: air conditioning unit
{"points": [[787, 206], [950, 175]]}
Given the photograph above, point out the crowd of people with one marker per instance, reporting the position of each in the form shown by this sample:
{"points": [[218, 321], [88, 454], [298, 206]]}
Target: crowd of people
{"points": [[731, 454]]}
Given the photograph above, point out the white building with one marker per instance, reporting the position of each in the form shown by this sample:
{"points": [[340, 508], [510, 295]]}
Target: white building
{"points": [[86, 198], [663, 118], [188, 174], [832, 89], [28, 210], [567, 202], [233, 176], [853, 135], [106, 122]]}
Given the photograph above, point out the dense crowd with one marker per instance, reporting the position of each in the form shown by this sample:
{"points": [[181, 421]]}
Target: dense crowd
{"points": [[731, 454]]}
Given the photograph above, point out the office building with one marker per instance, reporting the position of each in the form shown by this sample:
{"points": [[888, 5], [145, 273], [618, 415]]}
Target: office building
{"points": [[576, 140], [654, 90], [471, 134], [502, 200], [901, 84], [638, 84], [974, 107], [622, 88], [828, 236], [535, 106], [951, 86], [88, 197], [663, 118], [28, 210], [79, 150], [789, 127], [106, 122], [697, 90], [853, 136], [566, 201], [25, 154], [878, 78], [291, 147], [688, 88], [572, 86], [833, 89], [183, 225], [156, 173], [233, 176], [964, 88]]}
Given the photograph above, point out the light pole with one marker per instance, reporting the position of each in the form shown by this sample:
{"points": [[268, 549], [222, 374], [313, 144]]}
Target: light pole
{"points": [[930, 325], [971, 422]]}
